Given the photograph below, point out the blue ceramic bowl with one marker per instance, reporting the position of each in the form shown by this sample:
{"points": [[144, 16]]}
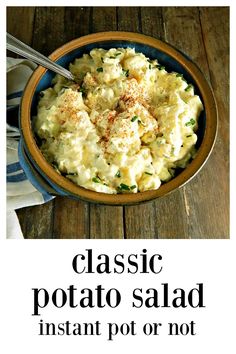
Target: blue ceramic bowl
{"points": [[43, 176]]}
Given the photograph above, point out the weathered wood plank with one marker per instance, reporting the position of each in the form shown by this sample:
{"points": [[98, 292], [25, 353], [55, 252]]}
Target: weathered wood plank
{"points": [[202, 205], [104, 19], [183, 30], [24, 32], [47, 35], [173, 210], [140, 219], [128, 19], [24, 16], [105, 221], [71, 219], [169, 221], [215, 24], [171, 216], [49, 29], [76, 22], [215, 30], [37, 222], [152, 22]]}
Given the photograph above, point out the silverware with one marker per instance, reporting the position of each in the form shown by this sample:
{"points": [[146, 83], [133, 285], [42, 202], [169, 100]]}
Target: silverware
{"points": [[18, 47]]}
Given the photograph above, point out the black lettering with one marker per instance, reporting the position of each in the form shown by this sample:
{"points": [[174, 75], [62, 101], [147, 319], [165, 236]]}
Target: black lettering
{"points": [[137, 297], [52, 327], [144, 262], [99, 290], [165, 295], [44, 303], [132, 263], [152, 263], [90, 261], [105, 264], [41, 328], [119, 263], [71, 296], [87, 301], [75, 263], [55, 297], [198, 296], [152, 301], [61, 329], [179, 301], [117, 298]]}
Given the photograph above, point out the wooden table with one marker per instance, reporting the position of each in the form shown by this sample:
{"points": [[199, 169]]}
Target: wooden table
{"points": [[198, 210]]}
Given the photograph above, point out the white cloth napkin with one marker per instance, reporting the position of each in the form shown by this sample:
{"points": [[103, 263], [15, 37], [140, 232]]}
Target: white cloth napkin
{"points": [[20, 192]]}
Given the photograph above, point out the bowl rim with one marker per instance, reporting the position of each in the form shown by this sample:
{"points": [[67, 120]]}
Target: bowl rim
{"points": [[179, 181]]}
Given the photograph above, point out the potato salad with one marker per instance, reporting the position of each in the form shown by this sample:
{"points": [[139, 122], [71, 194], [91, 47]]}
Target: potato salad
{"points": [[125, 126]]}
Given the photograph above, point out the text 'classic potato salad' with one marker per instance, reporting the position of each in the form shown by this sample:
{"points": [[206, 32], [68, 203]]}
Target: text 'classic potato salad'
{"points": [[124, 127]]}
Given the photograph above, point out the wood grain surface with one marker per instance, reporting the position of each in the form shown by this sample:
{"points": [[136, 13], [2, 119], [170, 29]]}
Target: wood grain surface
{"points": [[198, 210]]}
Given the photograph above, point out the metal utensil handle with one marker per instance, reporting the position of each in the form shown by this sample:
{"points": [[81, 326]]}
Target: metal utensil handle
{"points": [[16, 46]]}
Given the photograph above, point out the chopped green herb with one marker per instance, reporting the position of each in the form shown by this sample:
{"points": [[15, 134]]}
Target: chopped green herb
{"points": [[188, 88], [82, 89], [112, 57], [188, 136], [118, 174], [148, 173], [124, 187], [160, 67], [171, 172], [141, 123], [160, 142], [160, 135], [99, 70], [62, 90], [102, 59], [105, 184], [126, 72], [191, 122], [134, 118], [55, 165], [150, 66], [96, 180], [179, 75], [149, 60], [116, 54]]}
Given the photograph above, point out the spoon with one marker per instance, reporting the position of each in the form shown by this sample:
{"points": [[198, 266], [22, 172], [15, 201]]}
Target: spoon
{"points": [[18, 47]]}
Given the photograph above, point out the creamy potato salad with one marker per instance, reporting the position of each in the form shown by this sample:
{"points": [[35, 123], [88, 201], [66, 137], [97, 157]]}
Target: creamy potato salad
{"points": [[124, 127]]}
